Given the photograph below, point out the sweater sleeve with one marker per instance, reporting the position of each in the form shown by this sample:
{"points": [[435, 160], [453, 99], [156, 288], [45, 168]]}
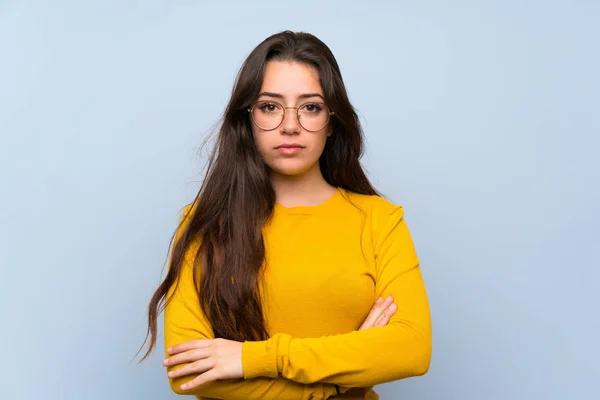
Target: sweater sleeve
{"points": [[361, 358], [185, 321]]}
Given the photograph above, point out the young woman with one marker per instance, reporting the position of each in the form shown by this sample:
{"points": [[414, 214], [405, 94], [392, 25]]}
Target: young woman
{"points": [[284, 268]]}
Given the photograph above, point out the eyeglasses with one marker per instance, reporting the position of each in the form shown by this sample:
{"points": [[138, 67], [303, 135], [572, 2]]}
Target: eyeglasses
{"points": [[269, 115]]}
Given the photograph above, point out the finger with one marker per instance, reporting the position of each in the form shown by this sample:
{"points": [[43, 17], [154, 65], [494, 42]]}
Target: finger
{"points": [[385, 317], [372, 316], [192, 344], [382, 321], [386, 302], [375, 313], [187, 356], [195, 368], [206, 377]]}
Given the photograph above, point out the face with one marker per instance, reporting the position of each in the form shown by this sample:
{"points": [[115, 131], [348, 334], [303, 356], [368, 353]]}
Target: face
{"points": [[294, 147]]}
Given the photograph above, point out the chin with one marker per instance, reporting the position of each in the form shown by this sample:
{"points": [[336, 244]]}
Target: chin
{"points": [[289, 169]]}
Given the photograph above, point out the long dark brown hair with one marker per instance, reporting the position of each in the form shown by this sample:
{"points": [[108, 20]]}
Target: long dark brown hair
{"points": [[236, 197]]}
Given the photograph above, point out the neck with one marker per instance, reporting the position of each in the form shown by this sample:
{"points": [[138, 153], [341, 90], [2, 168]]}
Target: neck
{"points": [[306, 189]]}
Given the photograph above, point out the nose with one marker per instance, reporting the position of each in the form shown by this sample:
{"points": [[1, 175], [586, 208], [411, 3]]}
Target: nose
{"points": [[290, 124]]}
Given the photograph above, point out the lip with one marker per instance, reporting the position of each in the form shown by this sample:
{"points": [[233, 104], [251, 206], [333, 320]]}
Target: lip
{"points": [[289, 148], [289, 145]]}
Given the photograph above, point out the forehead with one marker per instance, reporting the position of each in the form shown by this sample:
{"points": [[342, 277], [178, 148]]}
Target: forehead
{"points": [[290, 79]]}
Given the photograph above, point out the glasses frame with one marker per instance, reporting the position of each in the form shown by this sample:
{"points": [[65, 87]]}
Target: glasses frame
{"points": [[251, 109]]}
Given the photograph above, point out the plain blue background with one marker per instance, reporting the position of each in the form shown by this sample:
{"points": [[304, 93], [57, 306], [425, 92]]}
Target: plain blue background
{"points": [[481, 118]]}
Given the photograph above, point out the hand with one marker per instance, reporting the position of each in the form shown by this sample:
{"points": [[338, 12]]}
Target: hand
{"points": [[378, 317], [212, 359], [380, 314]]}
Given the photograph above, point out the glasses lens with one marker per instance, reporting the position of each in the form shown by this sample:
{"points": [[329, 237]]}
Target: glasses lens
{"points": [[313, 116], [267, 114]]}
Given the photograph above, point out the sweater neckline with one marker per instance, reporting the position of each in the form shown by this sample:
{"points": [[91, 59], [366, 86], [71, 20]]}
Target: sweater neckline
{"points": [[326, 205]]}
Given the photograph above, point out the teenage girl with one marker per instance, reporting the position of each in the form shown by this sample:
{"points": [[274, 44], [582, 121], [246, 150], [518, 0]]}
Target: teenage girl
{"points": [[290, 277]]}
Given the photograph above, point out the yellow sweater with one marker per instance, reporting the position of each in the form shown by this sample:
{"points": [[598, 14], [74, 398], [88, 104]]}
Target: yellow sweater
{"points": [[325, 267]]}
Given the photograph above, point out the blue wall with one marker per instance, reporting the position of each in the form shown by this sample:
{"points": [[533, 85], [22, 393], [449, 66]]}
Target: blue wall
{"points": [[482, 120]]}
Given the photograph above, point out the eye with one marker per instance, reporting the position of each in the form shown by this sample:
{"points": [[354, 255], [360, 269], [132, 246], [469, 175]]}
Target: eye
{"points": [[269, 107], [313, 107]]}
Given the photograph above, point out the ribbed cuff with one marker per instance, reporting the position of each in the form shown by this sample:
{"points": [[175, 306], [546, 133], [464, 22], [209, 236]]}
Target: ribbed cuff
{"points": [[259, 359]]}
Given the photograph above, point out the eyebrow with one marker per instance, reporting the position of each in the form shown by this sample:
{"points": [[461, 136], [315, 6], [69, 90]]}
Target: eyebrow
{"points": [[302, 96]]}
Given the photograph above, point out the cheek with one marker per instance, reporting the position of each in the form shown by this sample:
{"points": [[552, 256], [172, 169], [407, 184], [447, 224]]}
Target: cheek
{"points": [[318, 144], [261, 143]]}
